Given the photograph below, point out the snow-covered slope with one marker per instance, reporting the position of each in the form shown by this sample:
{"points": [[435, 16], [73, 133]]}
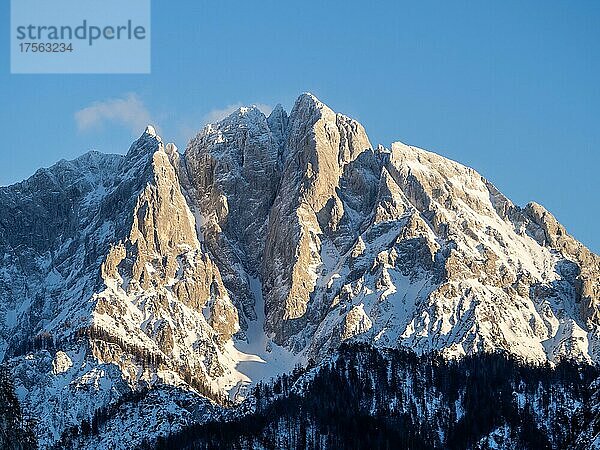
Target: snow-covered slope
{"points": [[267, 244], [444, 262]]}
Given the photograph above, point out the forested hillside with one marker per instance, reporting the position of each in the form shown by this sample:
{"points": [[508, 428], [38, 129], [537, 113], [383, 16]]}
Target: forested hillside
{"points": [[367, 398], [16, 433]]}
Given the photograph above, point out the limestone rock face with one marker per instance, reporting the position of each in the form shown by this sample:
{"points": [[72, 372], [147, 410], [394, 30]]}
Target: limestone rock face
{"points": [[161, 269], [319, 145], [61, 363], [549, 232], [356, 322], [233, 173]]}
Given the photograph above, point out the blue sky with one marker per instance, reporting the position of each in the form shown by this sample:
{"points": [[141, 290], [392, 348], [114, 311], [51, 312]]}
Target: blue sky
{"points": [[510, 88]]}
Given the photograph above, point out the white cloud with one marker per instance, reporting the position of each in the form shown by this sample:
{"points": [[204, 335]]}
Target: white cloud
{"points": [[220, 113], [128, 111]]}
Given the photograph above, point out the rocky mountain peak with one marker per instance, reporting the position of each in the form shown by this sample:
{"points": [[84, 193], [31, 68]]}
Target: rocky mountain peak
{"points": [[277, 112], [307, 102], [150, 131], [142, 149]]}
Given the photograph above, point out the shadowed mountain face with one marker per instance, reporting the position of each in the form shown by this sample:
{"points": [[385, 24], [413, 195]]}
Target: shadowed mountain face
{"points": [[268, 243]]}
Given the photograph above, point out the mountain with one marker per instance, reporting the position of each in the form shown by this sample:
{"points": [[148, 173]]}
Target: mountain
{"points": [[148, 292]]}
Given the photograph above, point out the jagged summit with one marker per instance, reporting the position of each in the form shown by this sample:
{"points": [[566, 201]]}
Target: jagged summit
{"points": [[268, 243], [150, 131], [249, 113], [308, 100], [244, 115], [279, 110]]}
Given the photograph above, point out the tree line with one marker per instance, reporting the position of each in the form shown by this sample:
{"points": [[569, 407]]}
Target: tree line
{"points": [[386, 399]]}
